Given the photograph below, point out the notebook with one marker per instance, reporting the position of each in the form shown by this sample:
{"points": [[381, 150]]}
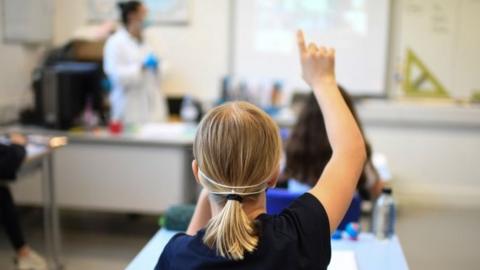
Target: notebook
{"points": [[343, 260]]}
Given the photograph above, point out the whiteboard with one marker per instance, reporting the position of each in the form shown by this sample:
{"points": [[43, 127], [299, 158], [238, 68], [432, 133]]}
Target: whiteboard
{"points": [[265, 46], [27, 21], [445, 36]]}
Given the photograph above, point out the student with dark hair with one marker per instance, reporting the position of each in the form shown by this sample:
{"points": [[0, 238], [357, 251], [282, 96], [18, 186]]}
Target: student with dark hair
{"points": [[308, 150], [133, 71], [11, 158]]}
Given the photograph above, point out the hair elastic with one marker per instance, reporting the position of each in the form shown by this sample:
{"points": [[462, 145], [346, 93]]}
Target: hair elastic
{"points": [[234, 197]]}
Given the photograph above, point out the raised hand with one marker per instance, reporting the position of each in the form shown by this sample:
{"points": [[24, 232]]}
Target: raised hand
{"points": [[318, 62]]}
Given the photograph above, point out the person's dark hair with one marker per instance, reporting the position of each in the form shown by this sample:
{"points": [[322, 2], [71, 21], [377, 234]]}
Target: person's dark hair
{"points": [[126, 8], [308, 149]]}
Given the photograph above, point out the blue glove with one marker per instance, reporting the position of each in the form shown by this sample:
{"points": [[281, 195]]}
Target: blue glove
{"points": [[151, 62]]}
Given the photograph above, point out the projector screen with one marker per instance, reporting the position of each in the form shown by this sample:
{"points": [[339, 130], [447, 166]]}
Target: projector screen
{"points": [[264, 45]]}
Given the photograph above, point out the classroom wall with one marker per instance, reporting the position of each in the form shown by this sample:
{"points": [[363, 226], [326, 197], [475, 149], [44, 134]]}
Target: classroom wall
{"points": [[432, 150], [68, 17], [16, 65], [197, 55]]}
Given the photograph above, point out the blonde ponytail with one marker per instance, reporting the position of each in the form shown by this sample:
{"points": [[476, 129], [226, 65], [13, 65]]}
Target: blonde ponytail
{"points": [[237, 148], [231, 233]]}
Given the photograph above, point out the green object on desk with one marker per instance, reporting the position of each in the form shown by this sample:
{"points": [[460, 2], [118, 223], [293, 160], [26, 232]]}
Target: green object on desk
{"points": [[177, 217]]}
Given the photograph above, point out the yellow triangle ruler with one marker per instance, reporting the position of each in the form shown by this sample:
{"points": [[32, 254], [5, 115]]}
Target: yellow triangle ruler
{"points": [[419, 80]]}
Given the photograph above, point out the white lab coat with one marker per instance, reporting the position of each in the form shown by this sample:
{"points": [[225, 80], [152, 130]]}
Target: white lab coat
{"points": [[135, 97]]}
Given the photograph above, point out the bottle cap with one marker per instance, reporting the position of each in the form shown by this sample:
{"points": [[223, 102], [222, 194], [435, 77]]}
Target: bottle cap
{"points": [[387, 190]]}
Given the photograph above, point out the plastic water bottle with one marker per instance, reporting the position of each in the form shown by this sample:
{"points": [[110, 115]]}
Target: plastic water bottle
{"points": [[188, 111], [383, 222], [90, 119]]}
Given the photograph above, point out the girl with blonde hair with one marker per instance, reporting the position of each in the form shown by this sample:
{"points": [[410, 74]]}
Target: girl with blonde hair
{"points": [[237, 152]]}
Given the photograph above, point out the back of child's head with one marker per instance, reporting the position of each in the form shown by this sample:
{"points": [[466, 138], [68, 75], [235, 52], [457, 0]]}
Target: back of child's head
{"points": [[237, 148]]}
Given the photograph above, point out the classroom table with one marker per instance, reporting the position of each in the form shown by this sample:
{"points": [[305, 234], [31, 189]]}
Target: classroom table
{"points": [[40, 156], [369, 253], [143, 171]]}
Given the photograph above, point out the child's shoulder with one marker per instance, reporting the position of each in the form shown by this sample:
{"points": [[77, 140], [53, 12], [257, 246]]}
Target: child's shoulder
{"points": [[305, 215], [182, 242], [179, 239]]}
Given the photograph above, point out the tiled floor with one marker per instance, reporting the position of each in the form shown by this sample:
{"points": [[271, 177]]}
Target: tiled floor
{"points": [[90, 240], [440, 238], [431, 238]]}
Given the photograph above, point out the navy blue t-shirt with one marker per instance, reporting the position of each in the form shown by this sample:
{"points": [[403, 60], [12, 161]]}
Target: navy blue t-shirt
{"points": [[297, 238]]}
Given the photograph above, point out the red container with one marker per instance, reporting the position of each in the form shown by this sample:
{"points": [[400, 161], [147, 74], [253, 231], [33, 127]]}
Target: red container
{"points": [[115, 127]]}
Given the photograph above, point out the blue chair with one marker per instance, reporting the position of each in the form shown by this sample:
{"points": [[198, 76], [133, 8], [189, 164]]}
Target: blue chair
{"points": [[279, 198], [353, 213]]}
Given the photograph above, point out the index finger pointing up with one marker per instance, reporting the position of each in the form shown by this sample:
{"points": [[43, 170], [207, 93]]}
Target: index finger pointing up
{"points": [[301, 42]]}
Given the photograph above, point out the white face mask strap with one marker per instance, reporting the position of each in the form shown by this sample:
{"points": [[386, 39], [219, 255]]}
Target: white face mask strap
{"points": [[238, 193], [215, 183]]}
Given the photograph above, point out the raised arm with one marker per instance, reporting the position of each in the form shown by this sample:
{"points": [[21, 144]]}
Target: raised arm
{"points": [[338, 181]]}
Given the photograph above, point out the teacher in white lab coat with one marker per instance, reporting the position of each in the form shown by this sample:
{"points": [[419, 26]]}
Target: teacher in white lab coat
{"points": [[133, 71]]}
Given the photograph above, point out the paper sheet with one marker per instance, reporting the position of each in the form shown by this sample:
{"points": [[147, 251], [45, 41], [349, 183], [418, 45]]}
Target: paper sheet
{"points": [[35, 149], [343, 260]]}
